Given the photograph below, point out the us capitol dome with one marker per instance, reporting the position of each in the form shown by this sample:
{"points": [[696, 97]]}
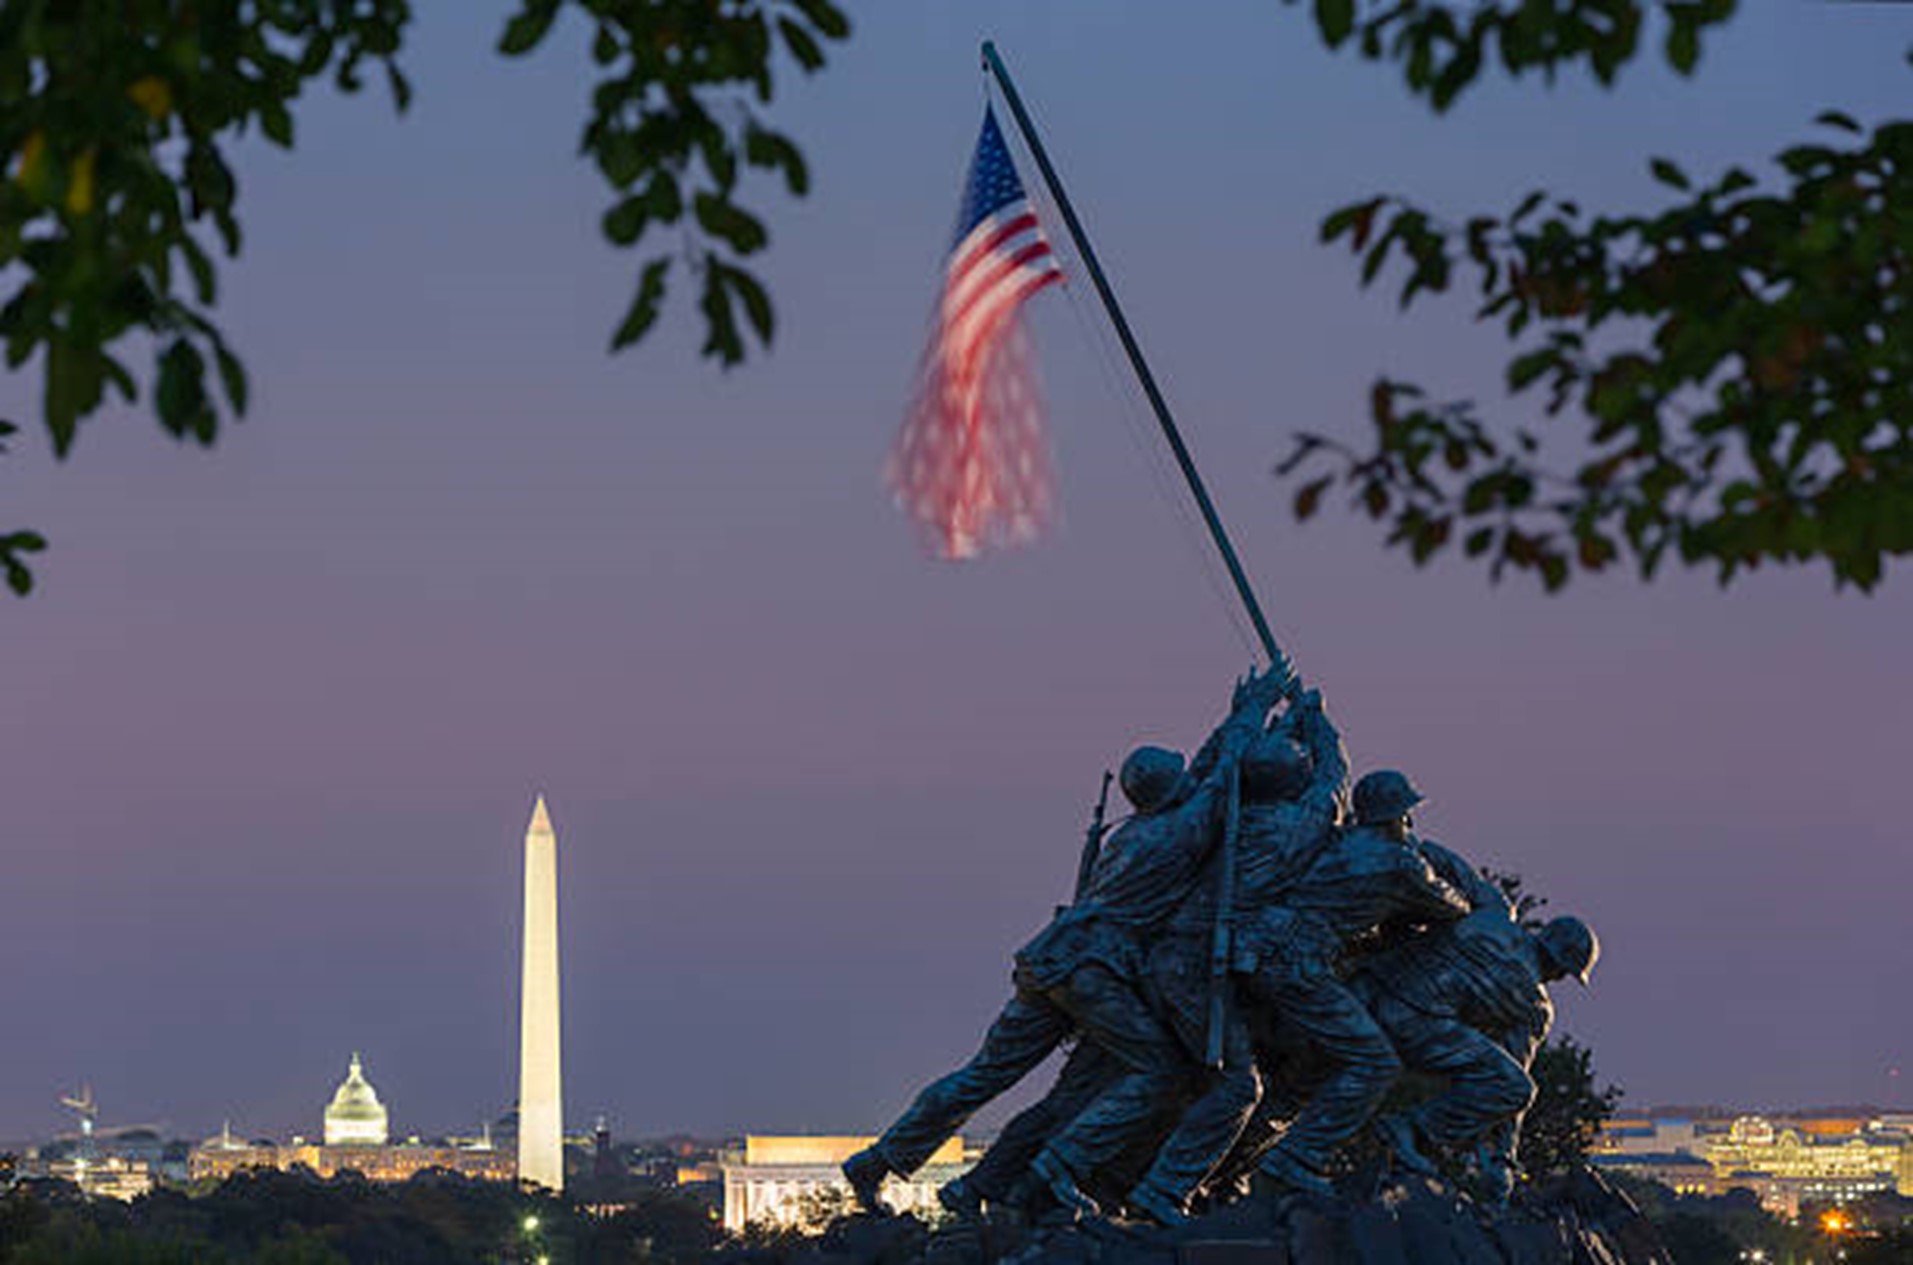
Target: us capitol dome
{"points": [[355, 1116]]}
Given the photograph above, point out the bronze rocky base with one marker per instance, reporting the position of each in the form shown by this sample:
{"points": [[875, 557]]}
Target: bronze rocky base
{"points": [[1577, 1220]]}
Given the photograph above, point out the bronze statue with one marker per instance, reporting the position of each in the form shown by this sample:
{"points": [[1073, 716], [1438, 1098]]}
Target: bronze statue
{"points": [[1078, 976], [1245, 976]]}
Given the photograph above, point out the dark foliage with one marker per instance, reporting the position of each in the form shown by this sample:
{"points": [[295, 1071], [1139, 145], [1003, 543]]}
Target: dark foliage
{"points": [[1737, 366], [295, 1219], [120, 115], [1694, 1240], [1568, 1110]]}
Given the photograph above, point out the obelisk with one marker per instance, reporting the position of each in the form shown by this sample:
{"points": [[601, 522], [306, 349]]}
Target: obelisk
{"points": [[541, 1156]]}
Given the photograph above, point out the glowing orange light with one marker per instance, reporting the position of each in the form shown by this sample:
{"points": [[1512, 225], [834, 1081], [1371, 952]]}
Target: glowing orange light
{"points": [[1835, 1222]]}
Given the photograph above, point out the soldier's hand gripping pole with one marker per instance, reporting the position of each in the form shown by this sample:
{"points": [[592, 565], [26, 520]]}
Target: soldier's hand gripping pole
{"points": [[1222, 947], [1093, 839]]}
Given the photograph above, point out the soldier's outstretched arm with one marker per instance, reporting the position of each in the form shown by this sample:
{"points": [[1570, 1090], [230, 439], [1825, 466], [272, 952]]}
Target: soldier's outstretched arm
{"points": [[1424, 895], [1328, 785], [1480, 891]]}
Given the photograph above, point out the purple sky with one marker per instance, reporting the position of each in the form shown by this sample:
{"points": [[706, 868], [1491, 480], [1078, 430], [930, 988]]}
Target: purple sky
{"points": [[275, 718]]}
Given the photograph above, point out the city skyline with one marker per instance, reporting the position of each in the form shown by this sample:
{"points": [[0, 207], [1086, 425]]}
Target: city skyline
{"points": [[276, 711]]}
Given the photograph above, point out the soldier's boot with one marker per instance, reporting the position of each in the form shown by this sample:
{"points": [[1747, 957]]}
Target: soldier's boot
{"points": [[1289, 1173], [865, 1172], [960, 1199], [1158, 1206], [1062, 1185], [1397, 1133]]}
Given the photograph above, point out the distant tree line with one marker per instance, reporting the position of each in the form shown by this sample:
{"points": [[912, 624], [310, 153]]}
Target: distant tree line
{"points": [[293, 1218]]}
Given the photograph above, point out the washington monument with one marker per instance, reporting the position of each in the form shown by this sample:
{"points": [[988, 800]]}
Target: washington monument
{"points": [[541, 1114]]}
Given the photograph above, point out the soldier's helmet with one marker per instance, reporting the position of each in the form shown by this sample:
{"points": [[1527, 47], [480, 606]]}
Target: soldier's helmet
{"points": [[1383, 796], [1151, 777], [1276, 768], [1571, 946]]}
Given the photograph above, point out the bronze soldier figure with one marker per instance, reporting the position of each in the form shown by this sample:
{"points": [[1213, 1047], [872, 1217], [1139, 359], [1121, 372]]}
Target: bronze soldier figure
{"points": [[1295, 952], [1078, 976], [1470, 1001], [1293, 782]]}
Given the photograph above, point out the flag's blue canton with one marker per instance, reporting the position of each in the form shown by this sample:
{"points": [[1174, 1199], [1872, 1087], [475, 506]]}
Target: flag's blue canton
{"points": [[993, 183]]}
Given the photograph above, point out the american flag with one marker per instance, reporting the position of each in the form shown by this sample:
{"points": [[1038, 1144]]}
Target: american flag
{"points": [[971, 464]]}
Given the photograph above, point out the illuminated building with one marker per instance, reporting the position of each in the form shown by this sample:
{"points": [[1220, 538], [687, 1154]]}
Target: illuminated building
{"points": [[355, 1117], [1649, 1135], [356, 1139], [1800, 1159], [1789, 1166], [103, 1177], [541, 1146], [776, 1177], [220, 1158], [1680, 1171]]}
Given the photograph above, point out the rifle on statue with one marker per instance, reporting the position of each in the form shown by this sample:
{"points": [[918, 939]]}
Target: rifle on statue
{"points": [[1093, 838], [1222, 947]]}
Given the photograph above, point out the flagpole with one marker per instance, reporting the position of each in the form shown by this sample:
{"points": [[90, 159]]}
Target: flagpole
{"points": [[994, 64]]}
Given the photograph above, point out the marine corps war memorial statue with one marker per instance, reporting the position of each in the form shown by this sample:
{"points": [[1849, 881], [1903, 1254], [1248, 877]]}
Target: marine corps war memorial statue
{"points": [[1296, 1031]]}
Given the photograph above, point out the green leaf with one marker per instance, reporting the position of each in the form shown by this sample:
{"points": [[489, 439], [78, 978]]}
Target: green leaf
{"points": [[1309, 499], [624, 223], [1668, 174], [180, 395], [19, 578], [604, 46], [1335, 19], [723, 219], [1554, 571], [276, 121], [401, 87], [621, 156], [527, 28], [765, 148], [721, 337], [1837, 118], [1355, 217], [825, 16], [232, 375], [1529, 366], [73, 383], [122, 380], [205, 283], [644, 309], [1683, 46], [801, 45], [757, 304]]}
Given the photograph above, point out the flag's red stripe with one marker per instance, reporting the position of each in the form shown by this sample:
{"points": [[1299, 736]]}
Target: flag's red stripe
{"points": [[961, 337], [962, 263], [979, 346], [985, 291], [981, 270]]}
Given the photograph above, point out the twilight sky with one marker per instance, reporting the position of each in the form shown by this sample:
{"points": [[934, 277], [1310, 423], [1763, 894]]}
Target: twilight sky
{"points": [[275, 718]]}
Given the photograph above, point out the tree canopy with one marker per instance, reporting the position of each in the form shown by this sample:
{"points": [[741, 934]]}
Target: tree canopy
{"points": [[121, 114], [1736, 366]]}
